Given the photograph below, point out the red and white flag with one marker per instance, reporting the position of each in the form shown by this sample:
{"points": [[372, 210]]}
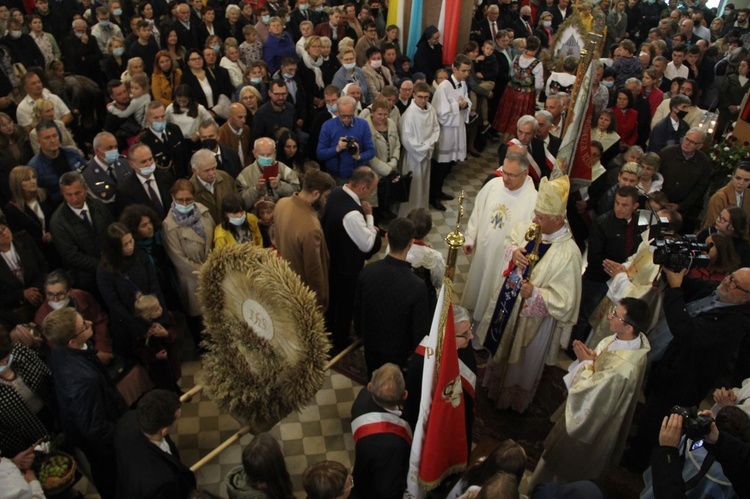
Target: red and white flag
{"points": [[439, 447], [575, 149]]}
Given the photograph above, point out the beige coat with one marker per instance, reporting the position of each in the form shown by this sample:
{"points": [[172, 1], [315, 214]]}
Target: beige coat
{"points": [[722, 199], [381, 163], [223, 186], [188, 251], [376, 81]]}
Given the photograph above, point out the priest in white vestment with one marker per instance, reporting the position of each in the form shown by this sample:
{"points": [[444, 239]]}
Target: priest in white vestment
{"points": [[420, 131], [603, 387], [531, 313], [502, 202]]}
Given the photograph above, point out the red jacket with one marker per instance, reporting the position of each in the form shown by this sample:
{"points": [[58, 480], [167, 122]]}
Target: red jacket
{"points": [[627, 125]]}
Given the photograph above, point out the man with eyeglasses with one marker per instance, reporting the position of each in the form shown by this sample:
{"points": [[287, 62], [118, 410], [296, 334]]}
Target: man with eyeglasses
{"points": [[541, 162], [345, 142], [499, 205], [735, 193], [701, 339], [276, 113], [88, 402], [686, 170], [584, 442]]}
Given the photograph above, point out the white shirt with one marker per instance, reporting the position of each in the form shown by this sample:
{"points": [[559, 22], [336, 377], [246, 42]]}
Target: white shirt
{"points": [[361, 230], [23, 112], [673, 72], [145, 185], [13, 261], [78, 211], [209, 187]]}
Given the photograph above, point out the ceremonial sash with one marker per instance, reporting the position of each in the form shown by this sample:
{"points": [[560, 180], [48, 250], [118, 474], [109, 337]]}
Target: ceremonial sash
{"points": [[534, 170], [374, 423], [468, 378], [506, 300]]}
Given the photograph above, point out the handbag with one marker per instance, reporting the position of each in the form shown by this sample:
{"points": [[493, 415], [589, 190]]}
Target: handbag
{"points": [[390, 192]]}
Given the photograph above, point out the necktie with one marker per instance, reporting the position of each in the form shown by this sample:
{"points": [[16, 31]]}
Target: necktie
{"points": [[528, 28], [154, 197], [219, 164], [111, 171], [494, 30], [458, 86], [86, 219]]}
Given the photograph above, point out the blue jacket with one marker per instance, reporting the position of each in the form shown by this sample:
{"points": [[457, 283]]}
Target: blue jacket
{"points": [[275, 49], [342, 164], [46, 175]]}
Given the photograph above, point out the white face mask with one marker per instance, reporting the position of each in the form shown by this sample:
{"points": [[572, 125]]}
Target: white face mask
{"points": [[57, 305]]}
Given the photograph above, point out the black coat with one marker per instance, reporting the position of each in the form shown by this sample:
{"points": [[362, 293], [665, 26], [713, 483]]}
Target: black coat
{"points": [[34, 272], [144, 470], [82, 58], [131, 191], [188, 38], [554, 145], [170, 155], [189, 79], [24, 50], [607, 240], [427, 60], [230, 161]]}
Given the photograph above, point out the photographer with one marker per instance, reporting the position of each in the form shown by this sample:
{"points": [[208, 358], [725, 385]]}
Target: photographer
{"points": [[704, 326], [345, 142], [729, 447]]}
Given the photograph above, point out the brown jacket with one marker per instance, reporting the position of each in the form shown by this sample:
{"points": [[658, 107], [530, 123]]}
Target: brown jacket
{"points": [[223, 186], [300, 241], [163, 88], [227, 138], [725, 198]]}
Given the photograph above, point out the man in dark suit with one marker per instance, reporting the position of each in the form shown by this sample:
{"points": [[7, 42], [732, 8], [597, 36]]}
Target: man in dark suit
{"points": [[705, 332], [148, 462], [297, 96], [82, 55], [560, 13], [76, 227], [539, 157], [22, 273], [187, 32], [165, 141], [148, 185], [544, 118], [300, 13], [664, 133], [523, 27], [106, 169], [643, 107], [227, 159], [490, 26]]}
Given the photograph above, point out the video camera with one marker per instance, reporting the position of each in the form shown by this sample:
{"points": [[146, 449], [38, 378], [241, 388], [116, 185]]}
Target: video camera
{"points": [[677, 252]]}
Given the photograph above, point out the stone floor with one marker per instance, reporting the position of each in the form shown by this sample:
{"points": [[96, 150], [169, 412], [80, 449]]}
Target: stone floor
{"points": [[322, 430]]}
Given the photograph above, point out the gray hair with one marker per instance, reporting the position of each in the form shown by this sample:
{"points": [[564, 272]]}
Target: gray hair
{"points": [[98, 139], [262, 140], [57, 277], [634, 150], [545, 115], [523, 160], [209, 123], [78, 22], [387, 385], [232, 8], [699, 131], [527, 119], [347, 100], [132, 60], [460, 314], [324, 40], [201, 157], [635, 81], [493, 8], [678, 100], [70, 178]]}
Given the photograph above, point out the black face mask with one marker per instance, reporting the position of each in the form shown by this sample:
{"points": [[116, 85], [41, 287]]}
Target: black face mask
{"points": [[526, 18], [681, 115], [209, 144]]}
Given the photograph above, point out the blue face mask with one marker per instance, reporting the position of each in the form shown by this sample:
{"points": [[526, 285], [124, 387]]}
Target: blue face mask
{"points": [[303, 7], [118, 51], [332, 108], [265, 19], [288, 76], [216, 48], [7, 366], [349, 66], [184, 209], [256, 81], [159, 126], [111, 156], [104, 23], [238, 221], [318, 9], [117, 12], [148, 170], [265, 161], [608, 84]]}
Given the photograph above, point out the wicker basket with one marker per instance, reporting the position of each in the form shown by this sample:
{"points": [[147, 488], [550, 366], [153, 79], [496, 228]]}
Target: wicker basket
{"points": [[65, 481]]}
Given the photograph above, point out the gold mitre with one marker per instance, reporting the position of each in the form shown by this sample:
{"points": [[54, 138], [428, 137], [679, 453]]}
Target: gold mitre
{"points": [[553, 196]]}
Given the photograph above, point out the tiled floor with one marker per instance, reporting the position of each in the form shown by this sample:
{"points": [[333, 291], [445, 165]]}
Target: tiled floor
{"points": [[322, 430]]}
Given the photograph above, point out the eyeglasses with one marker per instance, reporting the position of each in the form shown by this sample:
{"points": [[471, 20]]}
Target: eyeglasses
{"points": [[346, 116], [56, 296], [613, 313], [689, 141], [733, 284], [511, 175], [350, 486], [86, 327], [722, 219]]}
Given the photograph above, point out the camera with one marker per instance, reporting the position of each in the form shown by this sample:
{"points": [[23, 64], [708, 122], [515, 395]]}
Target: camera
{"points": [[694, 426], [677, 252], [351, 145]]}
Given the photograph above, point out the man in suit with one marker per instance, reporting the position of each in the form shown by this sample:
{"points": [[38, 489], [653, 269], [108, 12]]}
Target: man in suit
{"points": [[76, 227], [147, 185], [300, 13], [664, 133], [523, 27], [165, 141], [148, 463], [211, 185], [22, 272], [235, 134], [106, 169], [187, 32], [560, 13], [552, 143], [541, 161], [227, 159], [490, 26]]}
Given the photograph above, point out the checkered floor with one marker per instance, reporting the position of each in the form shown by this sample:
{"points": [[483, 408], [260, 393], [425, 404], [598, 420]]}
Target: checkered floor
{"points": [[322, 430]]}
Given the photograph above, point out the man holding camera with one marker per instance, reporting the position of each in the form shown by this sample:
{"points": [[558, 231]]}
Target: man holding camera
{"points": [[345, 142], [707, 327]]}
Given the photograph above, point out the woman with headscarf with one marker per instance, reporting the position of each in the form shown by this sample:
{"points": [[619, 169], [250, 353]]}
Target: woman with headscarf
{"points": [[429, 55]]}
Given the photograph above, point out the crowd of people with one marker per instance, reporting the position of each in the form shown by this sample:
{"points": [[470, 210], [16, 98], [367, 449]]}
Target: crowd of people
{"points": [[138, 137]]}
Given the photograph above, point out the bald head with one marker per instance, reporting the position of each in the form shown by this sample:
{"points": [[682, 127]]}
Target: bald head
{"points": [[237, 115]]}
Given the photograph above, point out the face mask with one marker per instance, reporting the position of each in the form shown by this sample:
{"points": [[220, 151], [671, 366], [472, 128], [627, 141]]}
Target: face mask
{"points": [[526, 17], [374, 12], [265, 19], [104, 23], [304, 7], [288, 76], [159, 126], [265, 161], [7, 366], [349, 66], [57, 305], [608, 84], [118, 51], [681, 115], [332, 108], [148, 170], [111, 156], [318, 9], [209, 144], [238, 221], [17, 34], [547, 24], [376, 64], [181, 208], [117, 12], [216, 48]]}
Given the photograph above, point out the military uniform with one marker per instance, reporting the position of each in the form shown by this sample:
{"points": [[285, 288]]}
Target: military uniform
{"points": [[100, 180]]}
